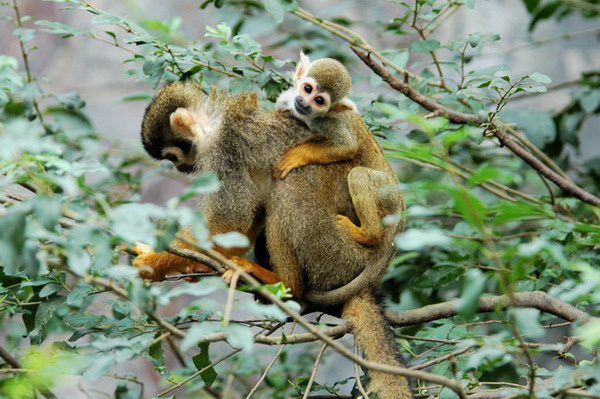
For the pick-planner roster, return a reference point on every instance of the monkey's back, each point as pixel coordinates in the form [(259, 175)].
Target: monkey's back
[(303, 236)]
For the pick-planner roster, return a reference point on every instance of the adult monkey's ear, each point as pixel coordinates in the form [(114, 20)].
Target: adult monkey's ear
[(344, 104), (302, 66), (183, 123)]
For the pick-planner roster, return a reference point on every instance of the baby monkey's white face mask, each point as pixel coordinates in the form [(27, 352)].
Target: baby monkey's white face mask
[(306, 100)]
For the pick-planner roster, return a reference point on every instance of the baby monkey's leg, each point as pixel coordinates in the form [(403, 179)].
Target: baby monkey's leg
[(365, 185)]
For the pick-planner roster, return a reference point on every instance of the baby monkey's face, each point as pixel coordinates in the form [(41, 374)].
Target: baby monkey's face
[(310, 101)]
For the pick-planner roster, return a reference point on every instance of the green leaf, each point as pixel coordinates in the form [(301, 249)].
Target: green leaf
[(424, 46), (58, 28), (590, 335), (590, 100), (196, 333), (43, 315), (12, 237), (203, 184), (540, 78), (120, 308), (78, 260), (520, 210), (239, 336), (24, 34), (107, 19), (233, 239), (49, 289), (201, 361), (276, 8), (528, 322), (223, 31), (205, 287), (48, 211), (473, 286), (132, 222), (80, 168), (137, 97), (539, 126), (156, 352), (416, 239), (268, 311), (544, 13), (531, 4), (486, 173), (474, 39), (78, 294), (471, 207), (453, 137)]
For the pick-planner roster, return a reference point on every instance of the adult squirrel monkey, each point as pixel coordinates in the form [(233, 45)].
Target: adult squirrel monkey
[(319, 98), (309, 251)]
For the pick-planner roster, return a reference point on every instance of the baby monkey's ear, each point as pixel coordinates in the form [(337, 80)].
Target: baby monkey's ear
[(302, 66), (344, 104), (183, 123)]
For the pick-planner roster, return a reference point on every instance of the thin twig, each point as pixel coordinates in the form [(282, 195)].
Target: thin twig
[(314, 371), (440, 359), (25, 56), (584, 5), (230, 296), (359, 384), (197, 373), (176, 351), (268, 368), (355, 40), (7, 357), (423, 37)]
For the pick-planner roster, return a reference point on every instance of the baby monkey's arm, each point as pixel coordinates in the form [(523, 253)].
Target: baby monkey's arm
[(340, 145)]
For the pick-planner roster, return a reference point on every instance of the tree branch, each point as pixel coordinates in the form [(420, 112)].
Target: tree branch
[(464, 118)]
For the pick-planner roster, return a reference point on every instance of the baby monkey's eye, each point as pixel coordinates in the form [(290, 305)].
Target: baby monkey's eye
[(308, 88), (320, 100)]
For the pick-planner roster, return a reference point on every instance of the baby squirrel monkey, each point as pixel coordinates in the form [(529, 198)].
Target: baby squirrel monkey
[(319, 98)]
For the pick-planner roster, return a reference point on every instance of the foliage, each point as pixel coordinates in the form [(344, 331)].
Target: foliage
[(480, 221)]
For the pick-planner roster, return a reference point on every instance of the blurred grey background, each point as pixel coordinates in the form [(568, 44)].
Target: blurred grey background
[(96, 71)]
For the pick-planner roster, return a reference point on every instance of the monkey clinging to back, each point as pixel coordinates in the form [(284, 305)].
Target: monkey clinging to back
[(319, 98)]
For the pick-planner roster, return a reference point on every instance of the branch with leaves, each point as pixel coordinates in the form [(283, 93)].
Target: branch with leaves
[(478, 231), (460, 117)]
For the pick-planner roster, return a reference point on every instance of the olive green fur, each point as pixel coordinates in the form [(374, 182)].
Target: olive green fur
[(331, 76)]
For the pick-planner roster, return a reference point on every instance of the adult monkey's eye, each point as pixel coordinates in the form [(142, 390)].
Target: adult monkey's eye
[(172, 157), (308, 88), (320, 100)]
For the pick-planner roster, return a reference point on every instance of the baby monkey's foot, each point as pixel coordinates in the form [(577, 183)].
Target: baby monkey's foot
[(356, 233)]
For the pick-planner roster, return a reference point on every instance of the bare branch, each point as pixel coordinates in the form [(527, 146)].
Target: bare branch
[(314, 371)]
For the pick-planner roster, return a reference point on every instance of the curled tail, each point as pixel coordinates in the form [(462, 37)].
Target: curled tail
[(372, 334)]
